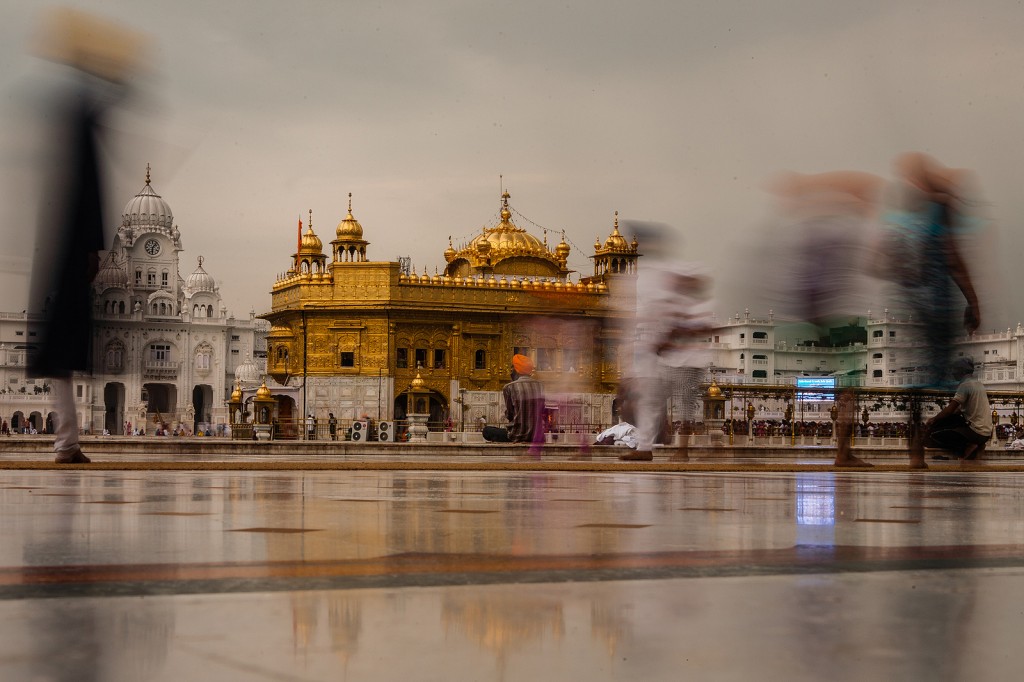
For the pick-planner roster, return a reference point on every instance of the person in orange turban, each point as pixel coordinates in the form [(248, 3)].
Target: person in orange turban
[(522, 365), (524, 407)]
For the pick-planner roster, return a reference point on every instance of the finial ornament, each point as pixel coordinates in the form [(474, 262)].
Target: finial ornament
[(147, 174), (350, 203), (311, 219), (200, 259), (616, 220)]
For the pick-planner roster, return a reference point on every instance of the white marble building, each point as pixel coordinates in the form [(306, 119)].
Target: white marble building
[(165, 348), (751, 350)]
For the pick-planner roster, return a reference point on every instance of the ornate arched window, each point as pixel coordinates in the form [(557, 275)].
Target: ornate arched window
[(114, 359), (203, 357)]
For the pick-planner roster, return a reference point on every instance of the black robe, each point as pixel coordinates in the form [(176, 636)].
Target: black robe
[(72, 226)]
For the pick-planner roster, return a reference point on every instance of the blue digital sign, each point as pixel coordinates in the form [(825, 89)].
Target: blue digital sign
[(815, 388)]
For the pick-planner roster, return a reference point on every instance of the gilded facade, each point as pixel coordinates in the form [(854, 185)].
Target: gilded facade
[(354, 333)]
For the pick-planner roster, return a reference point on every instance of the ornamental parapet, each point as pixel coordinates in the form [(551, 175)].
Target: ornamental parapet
[(514, 282), (293, 278)]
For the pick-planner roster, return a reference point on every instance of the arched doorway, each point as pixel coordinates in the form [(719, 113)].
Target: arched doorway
[(435, 404), (202, 403), (113, 407), (17, 422), (35, 420), (285, 419), (161, 399)]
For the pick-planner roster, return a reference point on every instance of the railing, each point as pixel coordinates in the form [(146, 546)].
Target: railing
[(33, 397), (161, 368)]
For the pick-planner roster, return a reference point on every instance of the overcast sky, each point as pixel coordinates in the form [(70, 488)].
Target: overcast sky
[(672, 111)]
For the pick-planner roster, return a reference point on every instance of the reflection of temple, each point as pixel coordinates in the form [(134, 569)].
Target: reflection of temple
[(361, 331), (503, 624)]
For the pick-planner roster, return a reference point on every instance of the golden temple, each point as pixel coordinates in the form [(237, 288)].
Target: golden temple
[(356, 333)]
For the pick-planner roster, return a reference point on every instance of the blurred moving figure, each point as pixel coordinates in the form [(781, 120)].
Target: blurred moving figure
[(823, 243), (673, 320), (828, 215), (920, 224), (920, 252), (100, 56)]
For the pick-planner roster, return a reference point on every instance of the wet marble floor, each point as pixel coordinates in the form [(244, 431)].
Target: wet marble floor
[(415, 575)]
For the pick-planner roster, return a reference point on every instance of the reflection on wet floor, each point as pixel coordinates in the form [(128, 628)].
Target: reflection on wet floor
[(509, 575)]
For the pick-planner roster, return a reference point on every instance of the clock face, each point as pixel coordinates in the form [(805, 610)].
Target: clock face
[(152, 247)]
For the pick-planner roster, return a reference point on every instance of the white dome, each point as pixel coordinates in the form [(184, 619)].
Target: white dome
[(111, 275), (200, 280), (247, 372), (147, 209)]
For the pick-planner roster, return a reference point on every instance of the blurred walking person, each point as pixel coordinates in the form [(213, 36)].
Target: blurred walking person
[(673, 320), (100, 56), (920, 252)]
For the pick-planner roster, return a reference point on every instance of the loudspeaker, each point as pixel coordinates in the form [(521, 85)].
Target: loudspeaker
[(359, 432), (386, 431)]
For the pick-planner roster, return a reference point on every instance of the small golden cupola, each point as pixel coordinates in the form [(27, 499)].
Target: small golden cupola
[(310, 258), (349, 245), (616, 255), (505, 249), (562, 251)]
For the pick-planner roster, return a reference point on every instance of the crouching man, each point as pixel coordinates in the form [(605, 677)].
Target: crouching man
[(964, 426)]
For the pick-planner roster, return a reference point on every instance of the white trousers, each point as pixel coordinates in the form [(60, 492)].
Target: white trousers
[(66, 439)]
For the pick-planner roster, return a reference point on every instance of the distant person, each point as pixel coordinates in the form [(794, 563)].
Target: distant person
[(524, 407), (332, 425), (846, 417), (964, 425), (101, 56)]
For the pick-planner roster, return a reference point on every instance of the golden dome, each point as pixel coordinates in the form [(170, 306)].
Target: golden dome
[(616, 241), (236, 395), (449, 253), (507, 242), (562, 250), (263, 393), (714, 391), (311, 244), (349, 228), (417, 383)]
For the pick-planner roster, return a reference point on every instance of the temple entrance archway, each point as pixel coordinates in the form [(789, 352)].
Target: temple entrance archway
[(113, 407), (202, 403), (162, 400), (287, 425)]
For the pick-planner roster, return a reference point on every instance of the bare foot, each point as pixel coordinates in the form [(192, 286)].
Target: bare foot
[(918, 462), (851, 461)]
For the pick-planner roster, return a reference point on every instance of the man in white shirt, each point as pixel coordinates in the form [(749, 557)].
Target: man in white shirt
[(964, 426)]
